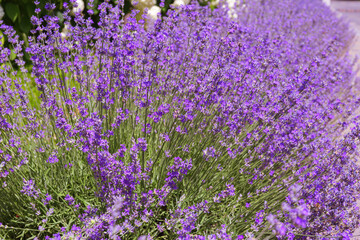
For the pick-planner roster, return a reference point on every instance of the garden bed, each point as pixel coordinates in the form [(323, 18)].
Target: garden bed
[(207, 123)]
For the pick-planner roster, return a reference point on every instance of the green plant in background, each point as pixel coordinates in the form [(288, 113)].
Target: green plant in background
[(17, 13), (196, 126)]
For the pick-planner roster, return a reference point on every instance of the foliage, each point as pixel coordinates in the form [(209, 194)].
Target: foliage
[(205, 124), (18, 14)]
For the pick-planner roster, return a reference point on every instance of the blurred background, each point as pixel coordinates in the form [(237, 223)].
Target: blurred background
[(17, 13)]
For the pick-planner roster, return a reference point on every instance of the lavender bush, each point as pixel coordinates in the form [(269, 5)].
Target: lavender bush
[(208, 123)]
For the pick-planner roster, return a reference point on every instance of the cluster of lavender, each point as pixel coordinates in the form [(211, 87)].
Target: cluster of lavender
[(203, 125)]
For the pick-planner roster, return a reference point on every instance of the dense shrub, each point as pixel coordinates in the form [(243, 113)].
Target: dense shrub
[(17, 13), (206, 124)]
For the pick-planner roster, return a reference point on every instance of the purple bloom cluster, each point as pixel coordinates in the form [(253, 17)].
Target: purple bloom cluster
[(30, 189), (204, 125)]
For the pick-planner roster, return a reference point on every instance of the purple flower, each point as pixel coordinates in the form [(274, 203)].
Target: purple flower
[(247, 96), (121, 151), (50, 212), (69, 199), (177, 171), (118, 204), (30, 189), (47, 199), (52, 159), (280, 229), (142, 144), (271, 218), (144, 237)]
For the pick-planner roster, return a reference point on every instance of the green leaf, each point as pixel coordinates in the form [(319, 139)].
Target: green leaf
[(12, 10), (2, 39), (25, 24), (30, 9), (12, 55), (60, 16)]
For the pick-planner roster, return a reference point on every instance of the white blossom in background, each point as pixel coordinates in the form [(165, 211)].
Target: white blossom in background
[(80, 6), (214, 3), (154, 12), (327, 2), (234, 6), (64, 31), (2, 13), (142, 4), (152, 15), (178, 3), (231, 5)]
